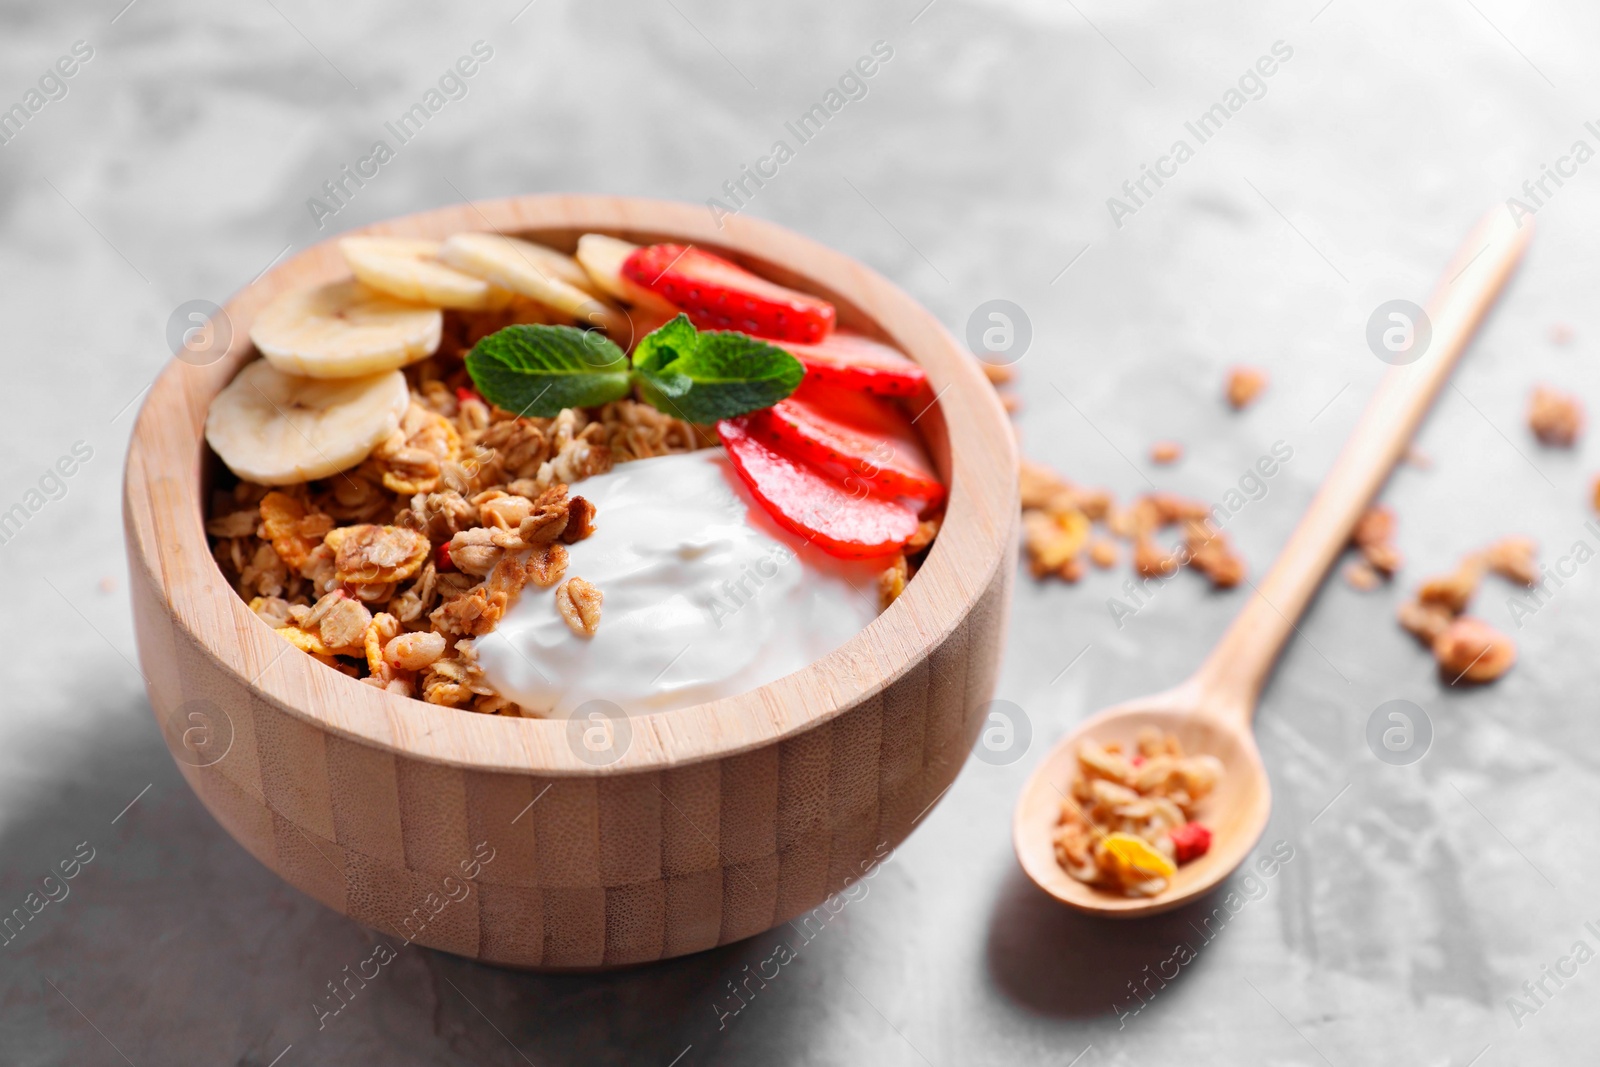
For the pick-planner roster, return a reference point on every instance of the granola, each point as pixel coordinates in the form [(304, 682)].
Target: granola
[(1373, 537), (1128, 822), (1555, 418), (1245, 384), (1466, 648), (892, 582), (390, 569), (1059, 519), (579, 603), (1163, 453)]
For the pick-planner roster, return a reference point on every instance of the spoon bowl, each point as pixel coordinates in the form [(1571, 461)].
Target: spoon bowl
[(1235, 811), (1211, 712)]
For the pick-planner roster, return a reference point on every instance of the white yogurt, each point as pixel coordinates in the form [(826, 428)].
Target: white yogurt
[(705, 597)]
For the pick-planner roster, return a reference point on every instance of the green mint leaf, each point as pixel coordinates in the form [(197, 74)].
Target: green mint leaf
[(539, 370), (729, 374), (664, 344), (668, 383)]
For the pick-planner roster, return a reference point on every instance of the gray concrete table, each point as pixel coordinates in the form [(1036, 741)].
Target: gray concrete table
[(186, 153)]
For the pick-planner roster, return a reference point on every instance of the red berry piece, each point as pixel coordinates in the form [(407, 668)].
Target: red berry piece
[(718, 295), (855, 437), (1190, 841), (808, 503), (858, 362)]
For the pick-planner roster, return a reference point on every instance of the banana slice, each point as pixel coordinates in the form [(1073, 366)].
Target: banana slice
[(409, 268), (602, 257), (278, 429), (344, 330), (543, 274)]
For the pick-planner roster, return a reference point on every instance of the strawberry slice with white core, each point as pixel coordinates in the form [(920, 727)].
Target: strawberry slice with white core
[(808, 503), (718, 295), (858, 362), (855, 437)]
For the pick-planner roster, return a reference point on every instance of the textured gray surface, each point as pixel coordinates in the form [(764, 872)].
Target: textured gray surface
[(977, 166)]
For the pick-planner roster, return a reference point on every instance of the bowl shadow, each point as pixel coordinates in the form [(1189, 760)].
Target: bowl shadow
[(182, 948)]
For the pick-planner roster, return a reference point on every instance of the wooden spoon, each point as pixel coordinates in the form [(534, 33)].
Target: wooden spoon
[(1211, 712)]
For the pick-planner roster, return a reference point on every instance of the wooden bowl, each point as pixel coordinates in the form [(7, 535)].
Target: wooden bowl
[(490, 837)]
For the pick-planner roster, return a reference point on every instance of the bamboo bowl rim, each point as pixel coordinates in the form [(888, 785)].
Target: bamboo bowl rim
[(164, 512)]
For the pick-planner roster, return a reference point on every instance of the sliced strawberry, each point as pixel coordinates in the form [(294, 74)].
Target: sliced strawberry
[(807, 502), (718, 295), (1190, 841), (858, 362), (853, 436)]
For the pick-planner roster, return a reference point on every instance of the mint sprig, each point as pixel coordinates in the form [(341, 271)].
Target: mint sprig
[(538, 370), (692, 375)]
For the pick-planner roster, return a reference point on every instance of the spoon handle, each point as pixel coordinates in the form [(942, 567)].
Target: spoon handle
[(1231, 678)]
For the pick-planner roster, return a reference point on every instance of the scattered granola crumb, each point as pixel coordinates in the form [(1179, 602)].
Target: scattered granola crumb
[(1515, 559), (1560, 334), (1245, 385), (1373, 536), (579, 604), (1555, 418), (1054, 538), (1153, 561), (1471, 650), (1165, 452), (1465, 647), (1453, 592), (1375, 526), (1011, 402), (1058, 519), (1360, 575), (1417, 458), (1103, 553), (1210, 554), (108, 584), (998, 373), (1425, 622)]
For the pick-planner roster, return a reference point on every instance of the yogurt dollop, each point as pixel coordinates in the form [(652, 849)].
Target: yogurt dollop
[(704, 597)]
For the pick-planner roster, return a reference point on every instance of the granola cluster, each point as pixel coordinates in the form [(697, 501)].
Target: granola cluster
[(1556, 418), (1128, 822), (1467, 648), (389, 571), (1058, 525), (892, 582), (1373, 539), (1245, 384)]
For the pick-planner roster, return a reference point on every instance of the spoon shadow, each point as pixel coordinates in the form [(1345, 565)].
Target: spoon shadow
[(1064, 963)]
